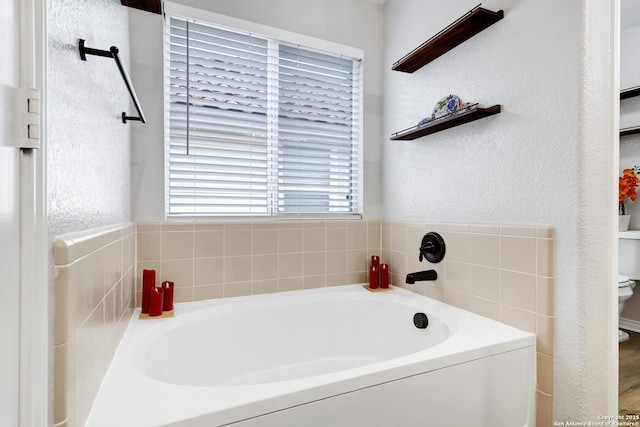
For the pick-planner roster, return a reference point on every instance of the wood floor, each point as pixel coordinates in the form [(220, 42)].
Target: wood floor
[(629, 377)]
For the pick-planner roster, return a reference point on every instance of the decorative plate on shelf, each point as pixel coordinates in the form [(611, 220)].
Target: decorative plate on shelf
[(447, 105)]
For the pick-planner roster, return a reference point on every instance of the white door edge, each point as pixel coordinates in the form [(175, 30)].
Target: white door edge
[(35, 324)]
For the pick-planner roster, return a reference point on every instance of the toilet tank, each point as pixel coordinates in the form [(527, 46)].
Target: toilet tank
[(629, 254)]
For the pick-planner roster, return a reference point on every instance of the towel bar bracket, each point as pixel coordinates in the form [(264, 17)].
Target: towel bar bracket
[(84, 51), (125, 118)]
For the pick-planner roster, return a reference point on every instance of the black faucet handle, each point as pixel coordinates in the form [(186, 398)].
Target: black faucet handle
[(426, 248), (432, 247)]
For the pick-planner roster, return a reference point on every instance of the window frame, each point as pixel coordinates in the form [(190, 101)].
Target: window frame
[(287, 37)]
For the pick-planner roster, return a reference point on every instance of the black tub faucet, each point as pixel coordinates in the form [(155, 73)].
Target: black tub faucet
[(420, 276)]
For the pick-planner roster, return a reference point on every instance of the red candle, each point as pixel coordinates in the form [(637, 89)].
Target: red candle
[(167, 300), (384, 276), (373, 277), (375, 260), (148, 282), (155, 301)]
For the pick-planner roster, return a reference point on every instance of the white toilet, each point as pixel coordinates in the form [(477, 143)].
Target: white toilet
[(628, 269), (625, 290)]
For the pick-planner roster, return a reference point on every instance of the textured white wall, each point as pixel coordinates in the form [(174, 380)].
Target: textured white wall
[(546, 159), (88, 153), (356, 23), (502, 168)]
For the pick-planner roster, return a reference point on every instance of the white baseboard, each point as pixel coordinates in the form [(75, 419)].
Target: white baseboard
[(630, 325)]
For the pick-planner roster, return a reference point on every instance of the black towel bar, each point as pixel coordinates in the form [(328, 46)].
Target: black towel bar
[(113, 53)]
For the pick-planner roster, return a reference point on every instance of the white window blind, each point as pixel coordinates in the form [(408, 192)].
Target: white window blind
[(256, 126)]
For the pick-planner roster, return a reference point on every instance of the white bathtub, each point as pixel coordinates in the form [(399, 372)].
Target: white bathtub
[(330, 357)]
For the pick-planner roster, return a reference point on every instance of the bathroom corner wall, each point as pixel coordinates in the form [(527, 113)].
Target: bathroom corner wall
[(88, 194), (217, 259), (547, 158), (504, 272), (93, 304), (88, 150)]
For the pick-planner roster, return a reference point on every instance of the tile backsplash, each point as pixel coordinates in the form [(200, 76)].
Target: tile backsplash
[(504, 272), (93, 304), (216, 260)]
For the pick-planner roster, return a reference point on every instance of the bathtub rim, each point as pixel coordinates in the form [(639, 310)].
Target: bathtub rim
[(247, 401)]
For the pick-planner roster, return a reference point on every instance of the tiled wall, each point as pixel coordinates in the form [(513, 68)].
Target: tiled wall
[(93, 303), (504, 272), (215, 260)]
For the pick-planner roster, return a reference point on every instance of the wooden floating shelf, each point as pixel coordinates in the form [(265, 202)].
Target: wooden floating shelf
[(152, 6), (447, 122), (630, 131), (463, 29), (630, 92)]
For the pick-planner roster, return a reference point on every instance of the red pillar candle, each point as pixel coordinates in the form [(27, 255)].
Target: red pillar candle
[(375, 260), (373, 277), (155, 301), (167, 299), (148, 282), (384, 276)]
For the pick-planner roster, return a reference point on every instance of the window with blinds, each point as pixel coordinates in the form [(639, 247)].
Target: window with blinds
[(256, 126)]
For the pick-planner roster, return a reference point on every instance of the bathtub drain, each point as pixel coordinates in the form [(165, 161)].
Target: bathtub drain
[(420, 320)]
